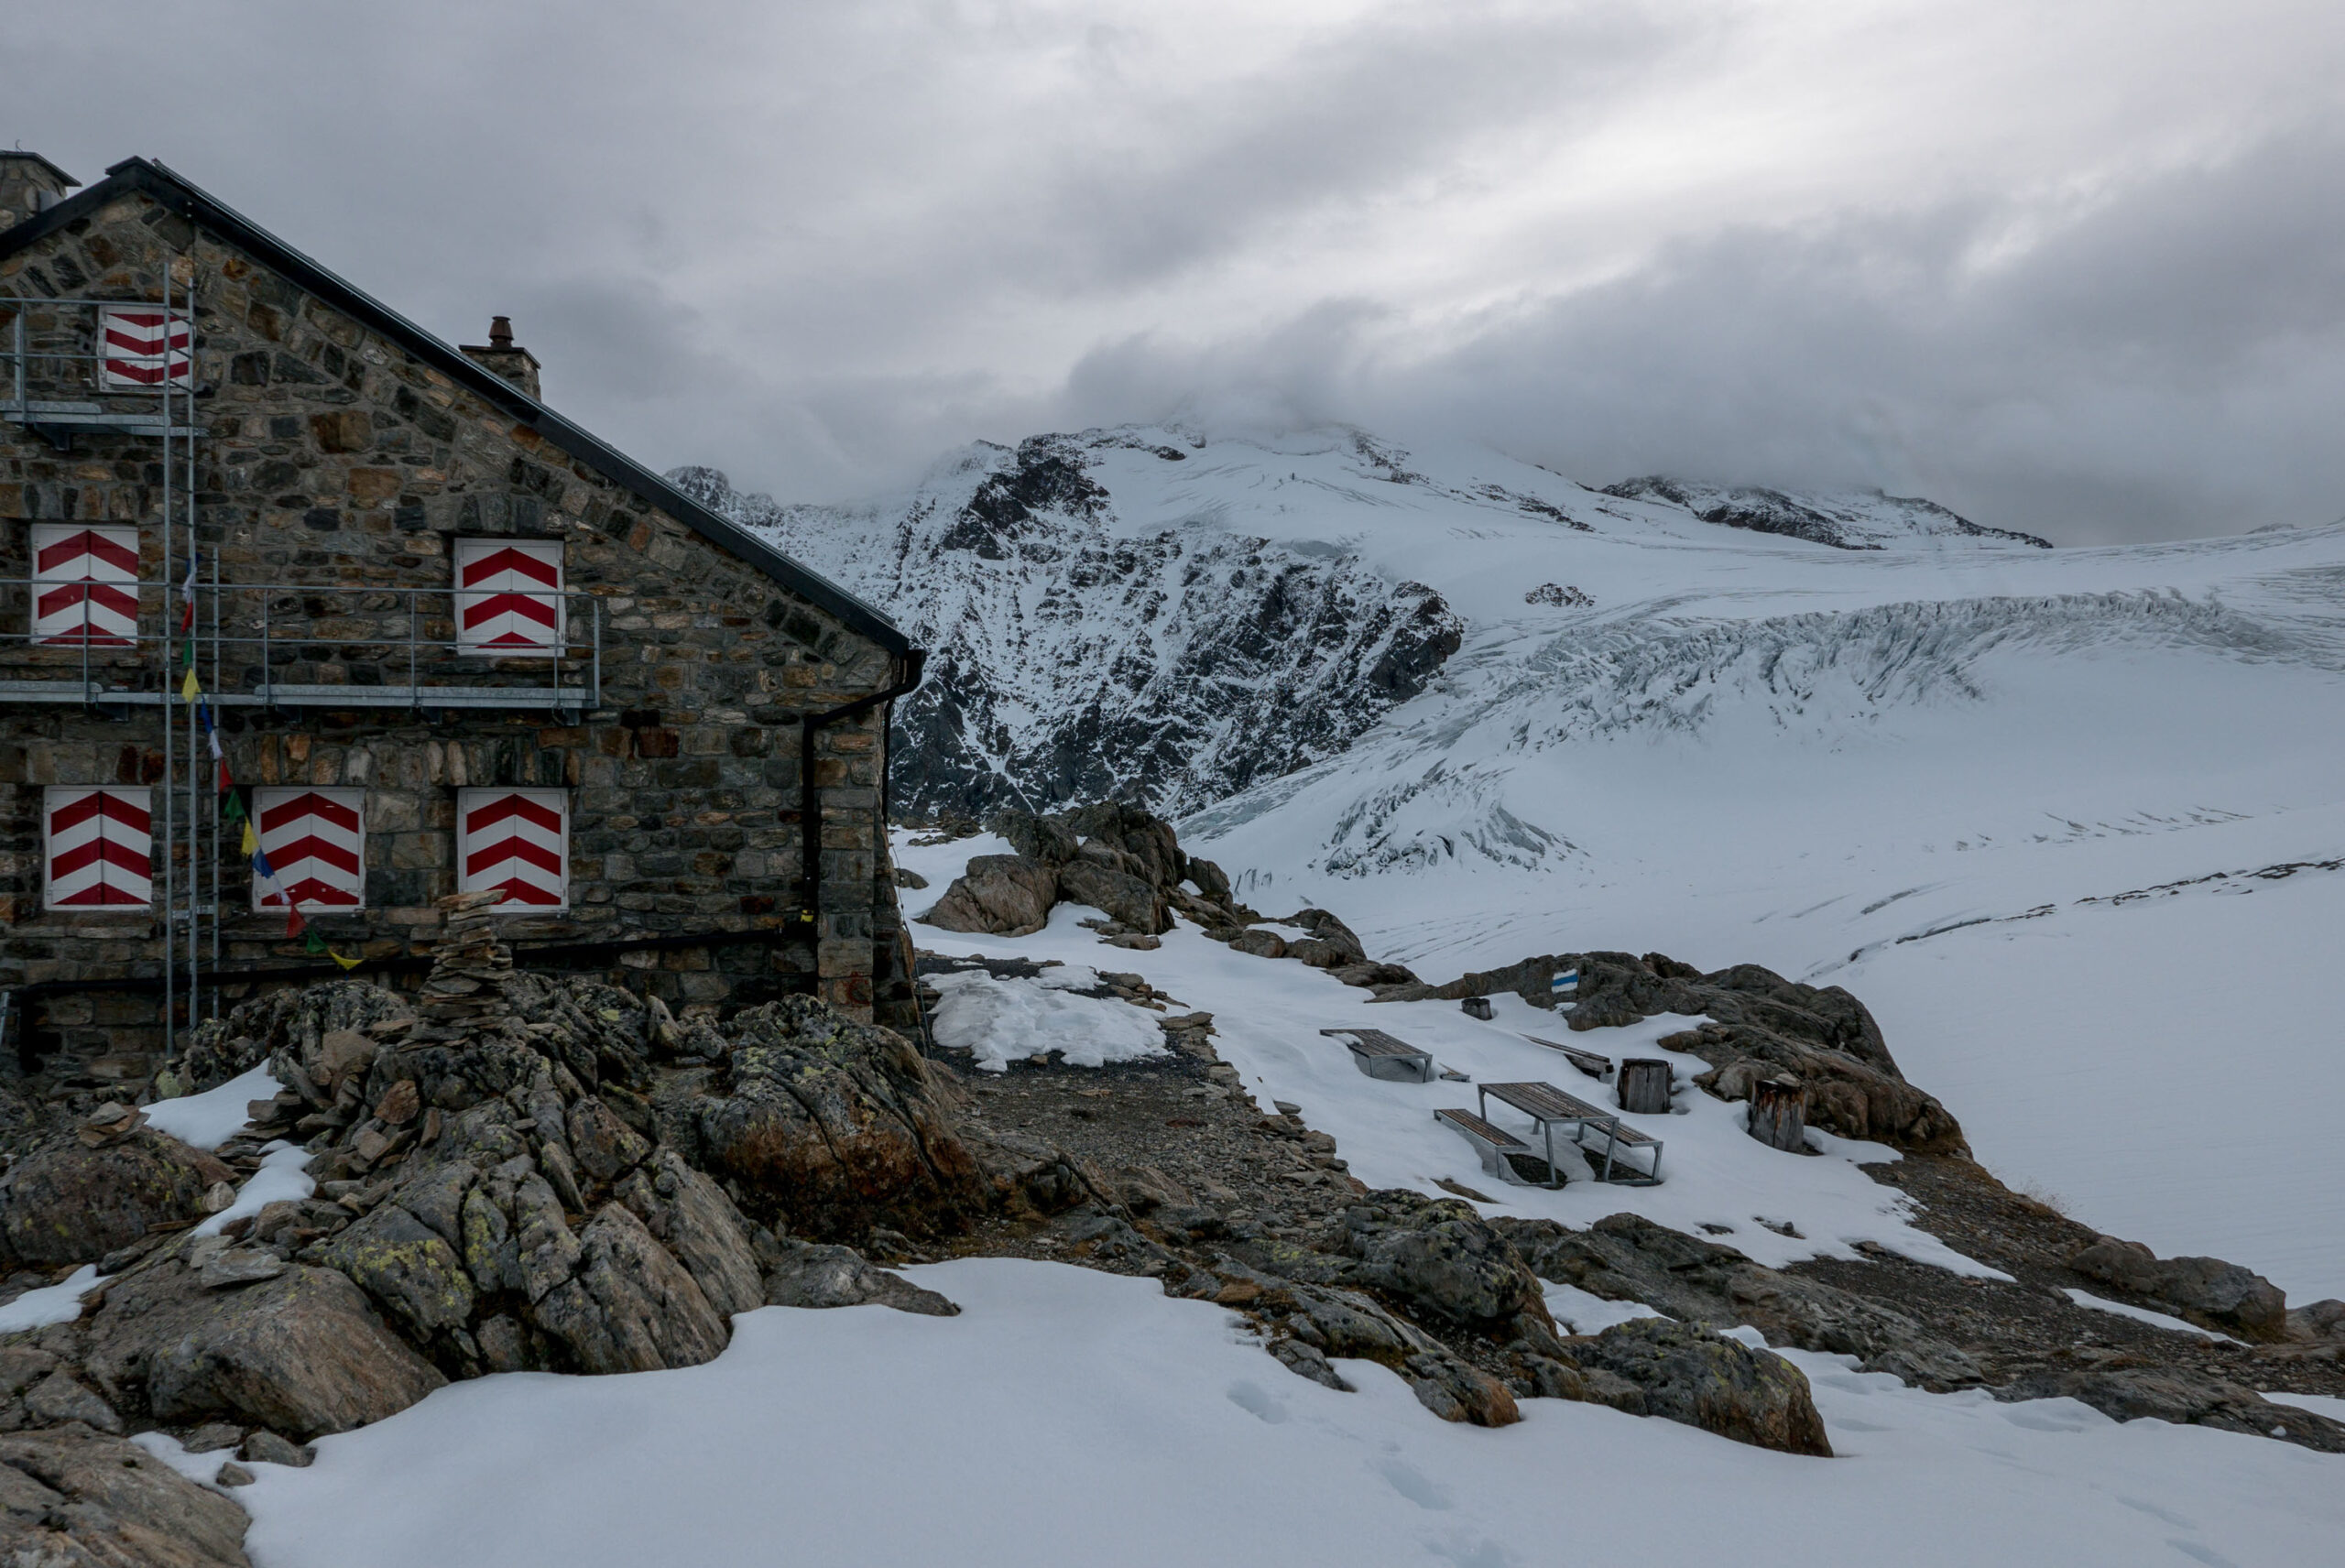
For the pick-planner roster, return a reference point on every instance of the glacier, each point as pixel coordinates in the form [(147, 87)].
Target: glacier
[(1932, 761)]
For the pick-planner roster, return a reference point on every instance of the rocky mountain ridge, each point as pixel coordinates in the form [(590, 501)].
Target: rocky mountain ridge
[(1154, 614), (1861, 519), (1069, 662)]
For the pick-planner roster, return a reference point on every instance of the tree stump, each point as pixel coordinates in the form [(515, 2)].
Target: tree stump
[(1643, 1086), (1779, 1114)]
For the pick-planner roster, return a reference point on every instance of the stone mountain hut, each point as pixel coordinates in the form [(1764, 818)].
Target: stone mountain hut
[(445, 639)]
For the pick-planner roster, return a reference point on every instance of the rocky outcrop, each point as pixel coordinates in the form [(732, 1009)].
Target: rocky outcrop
[(517, 1173), (1686, 1373), (2134, 1392), (1627, 1257), (1127, 863), (294, 1349), (1006, 895), (2206, 1291), (1756, 1025), (1072, 658), (68, 1201), (76, 1498), (802, 1275), (1440, 1257), (825, 1127), (291, 1020)]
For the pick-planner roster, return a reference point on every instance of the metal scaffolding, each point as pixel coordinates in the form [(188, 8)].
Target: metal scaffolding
[(58, 380)]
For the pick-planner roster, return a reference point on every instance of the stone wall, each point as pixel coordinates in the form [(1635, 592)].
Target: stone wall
[(333, 457)]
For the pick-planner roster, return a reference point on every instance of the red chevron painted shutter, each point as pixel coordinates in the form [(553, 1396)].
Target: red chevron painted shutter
[(139, 345), (517, 840), (85, 585), (316, 843), (508, 596), (100, 844)]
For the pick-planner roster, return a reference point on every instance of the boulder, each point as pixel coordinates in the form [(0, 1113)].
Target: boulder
[(302, 1353), (1123, 897), (1147, 839), (1312, 1323), (825, 1128), (75, 1499), (1212, 881), (628, 1306), (1440, 1259), (2206, 1290), (1261, 943), (805, 1275), (2315, 1321), (66, 1202), (1689, 1374), (1048, 840), (1330, 943), (1006, 895), (61, 1398)]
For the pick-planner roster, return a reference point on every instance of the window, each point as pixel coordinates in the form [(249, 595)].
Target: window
[(85, 585), (99, 848), (315, 840), (517, 840), (508, 596)]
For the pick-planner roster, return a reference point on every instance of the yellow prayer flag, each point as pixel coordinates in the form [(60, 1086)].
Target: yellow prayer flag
[(252, 840), (189, 690), (345, 963)]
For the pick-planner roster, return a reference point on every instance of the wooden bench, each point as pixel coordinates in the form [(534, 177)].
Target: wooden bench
[(1380, 1055), (1597, 1067), (1549, 1108), (1503, 1155)]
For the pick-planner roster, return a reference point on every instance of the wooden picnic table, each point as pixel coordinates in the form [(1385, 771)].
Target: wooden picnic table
[(1549, 1108)]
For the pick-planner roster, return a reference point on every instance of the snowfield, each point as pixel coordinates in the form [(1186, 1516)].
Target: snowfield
[(1068, 1419)]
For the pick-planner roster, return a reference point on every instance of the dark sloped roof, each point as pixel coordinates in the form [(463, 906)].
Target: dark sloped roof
[(178, 196)]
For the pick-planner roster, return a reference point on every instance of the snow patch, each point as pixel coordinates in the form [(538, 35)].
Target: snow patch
[(1001, 1022), (212, 1118)]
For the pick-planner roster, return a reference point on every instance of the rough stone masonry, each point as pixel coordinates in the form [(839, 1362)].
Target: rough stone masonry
[(343, 449)]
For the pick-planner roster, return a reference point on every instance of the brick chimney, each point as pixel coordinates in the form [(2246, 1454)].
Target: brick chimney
[(30, 184), (502, 355)]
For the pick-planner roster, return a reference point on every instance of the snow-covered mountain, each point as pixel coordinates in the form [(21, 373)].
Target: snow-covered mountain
[(1152, 613), (1859, 520), (2046, 809), (1082, 646)]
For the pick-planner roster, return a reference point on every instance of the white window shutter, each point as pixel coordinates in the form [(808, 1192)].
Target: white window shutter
[(99, 848), (517, 840), (315, 840), (508, 596), (85, 585), (142, 346)]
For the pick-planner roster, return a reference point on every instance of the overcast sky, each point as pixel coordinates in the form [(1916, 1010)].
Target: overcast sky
[(2078, 268)]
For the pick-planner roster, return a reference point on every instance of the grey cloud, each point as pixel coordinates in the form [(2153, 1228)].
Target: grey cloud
[(815, 245), (2167, 364)]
